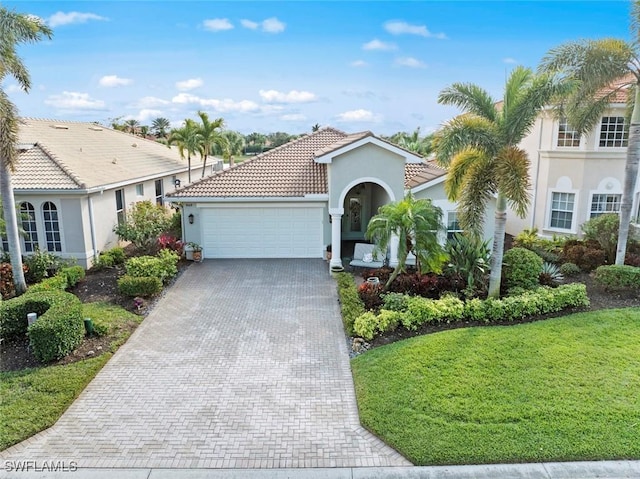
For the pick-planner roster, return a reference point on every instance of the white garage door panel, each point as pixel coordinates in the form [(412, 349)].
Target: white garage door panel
[(270, 232)]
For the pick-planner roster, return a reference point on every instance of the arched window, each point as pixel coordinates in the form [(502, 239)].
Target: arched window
[(51, 226), (28, 214)]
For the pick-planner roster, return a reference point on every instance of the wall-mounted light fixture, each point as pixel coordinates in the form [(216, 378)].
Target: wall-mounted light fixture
[(190, 218), (176, 182)]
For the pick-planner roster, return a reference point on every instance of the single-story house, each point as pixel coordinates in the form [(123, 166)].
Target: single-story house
[(74, 182), (295, 200)]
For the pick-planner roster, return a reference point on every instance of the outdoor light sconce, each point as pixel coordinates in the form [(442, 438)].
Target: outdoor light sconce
[(176, 182), (190, 219)]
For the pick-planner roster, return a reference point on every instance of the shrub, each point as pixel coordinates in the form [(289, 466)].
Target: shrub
[(617, 277), (521, 268), (59, 330), (588, 256), (144, 222), (369, 324), (469, 259), (56, 283), (139, 285), (110, 258), (350, 303), (550, 275), (395, 302), (73, 275), (569, 269), (164, 266), (39, 265), (604, 230), (547, 249), (632, 259), (7, 288), (167, 241), (370, 295), (422, 310)]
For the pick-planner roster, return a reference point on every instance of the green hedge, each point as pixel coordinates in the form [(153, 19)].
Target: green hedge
[(418, 310), (139, 286), (618, 276), (164, 266), (73, 275), (350, 303), (13, 312)]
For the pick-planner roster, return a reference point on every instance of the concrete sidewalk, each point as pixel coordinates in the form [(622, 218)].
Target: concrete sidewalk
[(553, 470)]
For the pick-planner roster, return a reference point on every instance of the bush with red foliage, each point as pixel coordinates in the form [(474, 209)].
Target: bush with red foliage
[(167, 241), (586, 254), (7, 288), (370, 295), (632, 259)]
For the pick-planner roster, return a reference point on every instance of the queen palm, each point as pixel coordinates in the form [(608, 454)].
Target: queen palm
[(15, 29), (593, 66), (233, 146), (188, 140), (210, 136), (480, 149), (416, 223)]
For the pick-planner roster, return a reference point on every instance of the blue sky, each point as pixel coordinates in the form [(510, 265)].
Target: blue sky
[(284, 66)]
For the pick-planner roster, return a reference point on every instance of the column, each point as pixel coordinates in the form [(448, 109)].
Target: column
[(336, 241), (393, 251)]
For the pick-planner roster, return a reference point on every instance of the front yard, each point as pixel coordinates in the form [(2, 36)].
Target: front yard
[(563, 389)]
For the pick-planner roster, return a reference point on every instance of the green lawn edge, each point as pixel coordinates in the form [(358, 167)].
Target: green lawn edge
[(563, 389)]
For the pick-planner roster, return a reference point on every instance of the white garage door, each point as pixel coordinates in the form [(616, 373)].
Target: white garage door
[(262, 232)]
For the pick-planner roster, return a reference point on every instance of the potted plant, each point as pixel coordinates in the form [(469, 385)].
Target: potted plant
[(328, 253), (196, 251)]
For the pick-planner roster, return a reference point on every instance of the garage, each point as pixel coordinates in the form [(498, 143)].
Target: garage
[(269, 231)]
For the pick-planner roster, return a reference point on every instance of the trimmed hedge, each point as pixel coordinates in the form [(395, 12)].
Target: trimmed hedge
[(418, 311), (521, 268), (350, 303), (164, 266), (55, 283), (618, 277), (73, 275), (139, 286)]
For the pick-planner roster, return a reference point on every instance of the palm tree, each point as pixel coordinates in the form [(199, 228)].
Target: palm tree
[(255, 141), (132, 126), (480, 149), (160, 126), (233, 146), (144, 131), (189, 141), (593, 66), (413, 141), (15, 29), (416, 223), (209, 136), (315, 127)]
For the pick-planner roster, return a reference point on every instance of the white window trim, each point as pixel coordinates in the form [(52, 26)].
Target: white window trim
[(41, 230), (60, 228), (457, 219), (556, 135), (574, 217), (597, 192), (141, 186), (609, 148)]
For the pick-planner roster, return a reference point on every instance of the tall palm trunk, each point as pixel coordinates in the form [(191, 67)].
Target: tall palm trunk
[(189, 167), (495, 277), (204, 165), (630, 178), (11, 220)]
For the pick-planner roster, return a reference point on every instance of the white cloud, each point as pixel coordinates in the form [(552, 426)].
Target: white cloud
[(223, 106), (359, 64), (270, 25), (410, 62), (189, 84), (376, 44), (294, 96), (399, 28), (273, 25), (150, 102), (110, 81), (12, 88), (357, 115), (217, 24), (71, 100), (293, 117), (147, 114), (62, 18), (249, 24), (509, 60)]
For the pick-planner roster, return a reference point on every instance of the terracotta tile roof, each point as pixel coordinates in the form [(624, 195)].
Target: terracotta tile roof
[(92, 155), (416, 174), (36, 169), (620, 88), (289, 171)]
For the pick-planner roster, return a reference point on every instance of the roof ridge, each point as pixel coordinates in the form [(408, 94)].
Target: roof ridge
[(61, 165)]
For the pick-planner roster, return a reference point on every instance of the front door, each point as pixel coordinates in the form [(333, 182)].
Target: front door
[(355, 218)]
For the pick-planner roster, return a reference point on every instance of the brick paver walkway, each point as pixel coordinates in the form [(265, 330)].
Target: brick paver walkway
[(243, 364)]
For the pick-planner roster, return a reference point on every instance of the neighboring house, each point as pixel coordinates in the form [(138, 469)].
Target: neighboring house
[(318, 190), (575, 178), (74, 182)]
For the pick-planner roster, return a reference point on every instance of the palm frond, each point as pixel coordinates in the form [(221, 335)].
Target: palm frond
[(470, 98), (462, 132), (512, 173), (8, 131), (459, 168), (518, 81), (476, 192)]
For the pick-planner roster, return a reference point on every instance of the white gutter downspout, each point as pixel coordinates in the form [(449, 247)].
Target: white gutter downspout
[(92, 228), (535, 189)]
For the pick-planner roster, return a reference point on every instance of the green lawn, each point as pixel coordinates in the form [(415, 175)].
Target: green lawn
[(32, 400), (556, 390)]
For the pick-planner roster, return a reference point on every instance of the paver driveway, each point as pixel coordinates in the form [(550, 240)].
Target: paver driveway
[(242, 364)]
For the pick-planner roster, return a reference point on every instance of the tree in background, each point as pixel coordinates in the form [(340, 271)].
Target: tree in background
[(160, 127), (189, 141), (254, 143), (132, 126), (210, 136), (233, 146), (480, 150), (315, 127), (15, 29), (592, 66), (413, 142)]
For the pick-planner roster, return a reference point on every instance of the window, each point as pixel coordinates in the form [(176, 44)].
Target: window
[(28, 214), (120, 206), (453, 225), (140, 190), (562, 210), (159, 192), (51, 226), (605, 203), (567, 136), (613, 132)]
